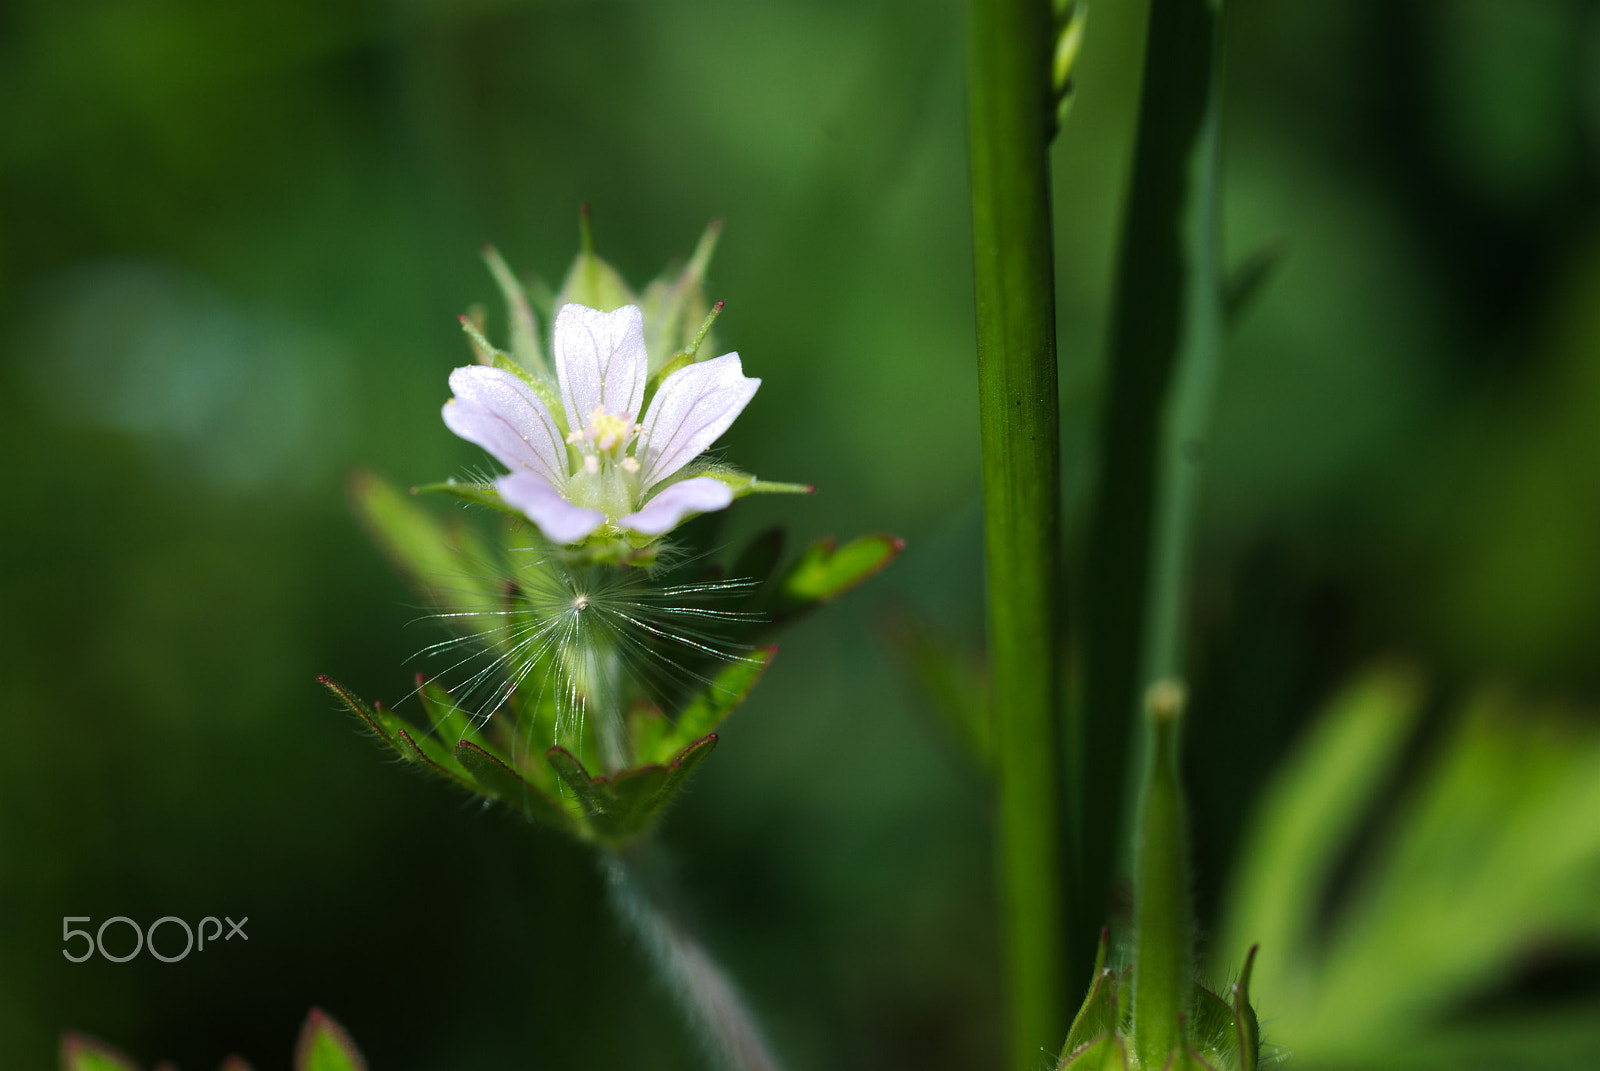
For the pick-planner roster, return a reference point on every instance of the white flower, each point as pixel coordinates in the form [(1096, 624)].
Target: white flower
[(610, 468)]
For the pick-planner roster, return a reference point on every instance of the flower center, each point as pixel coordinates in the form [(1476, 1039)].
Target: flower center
[(606, 438), (607, 478)]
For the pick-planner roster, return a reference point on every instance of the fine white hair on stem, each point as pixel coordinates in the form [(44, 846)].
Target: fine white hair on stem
[(722, 1022)]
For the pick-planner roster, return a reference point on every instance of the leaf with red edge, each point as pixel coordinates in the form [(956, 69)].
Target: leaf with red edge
[(80, 1053), (497, 779), (324, 1046), (826, 571)]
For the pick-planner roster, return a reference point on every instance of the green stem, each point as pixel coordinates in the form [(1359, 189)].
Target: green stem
[(1010, 118), (721, 1021), (1162, 970), (1165, 338)]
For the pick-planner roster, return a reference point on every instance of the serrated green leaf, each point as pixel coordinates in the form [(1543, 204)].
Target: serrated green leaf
[(592, 795), (712, 706), (427, 752), (624, 805), (824, 572), (364, 712), (451, 724), (505, 784), (647, 730), (324, 1046), (634, 796), (79, 1053), (681, 766)]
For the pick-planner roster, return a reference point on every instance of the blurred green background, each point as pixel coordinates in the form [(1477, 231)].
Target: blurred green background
[(236, 237)]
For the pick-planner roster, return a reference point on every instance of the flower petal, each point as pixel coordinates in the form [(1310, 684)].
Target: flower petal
[(691, 410), (702, 494), (558, 519), (600, 361), (496, 410)]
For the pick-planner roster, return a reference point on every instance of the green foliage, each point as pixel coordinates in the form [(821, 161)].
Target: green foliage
[(1217, 1034), (531, 625), (826, 571), (79, 1053), (1492, 853), (323, 1045)]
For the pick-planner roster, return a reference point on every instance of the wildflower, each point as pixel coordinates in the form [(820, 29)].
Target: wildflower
[(596, 463)]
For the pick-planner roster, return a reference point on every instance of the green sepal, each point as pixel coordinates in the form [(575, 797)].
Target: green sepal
[(619, 807), (743, 483), (826, 571), (588, 791), (501, 782), (1099, 1015), (1184, 1058), (673, 306), (708, 710), (79, 1053), (1104, 1053), (679, 360), (482, 494), (1210, 1027), (444, 564), (525, 348), (539, 384), (424, 749), (324, 1046), (1246, 1027), (450, 723), (591, 281)]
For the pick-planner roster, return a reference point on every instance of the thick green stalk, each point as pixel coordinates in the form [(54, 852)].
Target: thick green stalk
[(1165, 332), (1010, 119), (1163, 976)]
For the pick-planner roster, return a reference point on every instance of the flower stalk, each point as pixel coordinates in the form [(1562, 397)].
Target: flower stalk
[(1162, 968), (1166, 329), (716, 1012), (1011, 115)]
